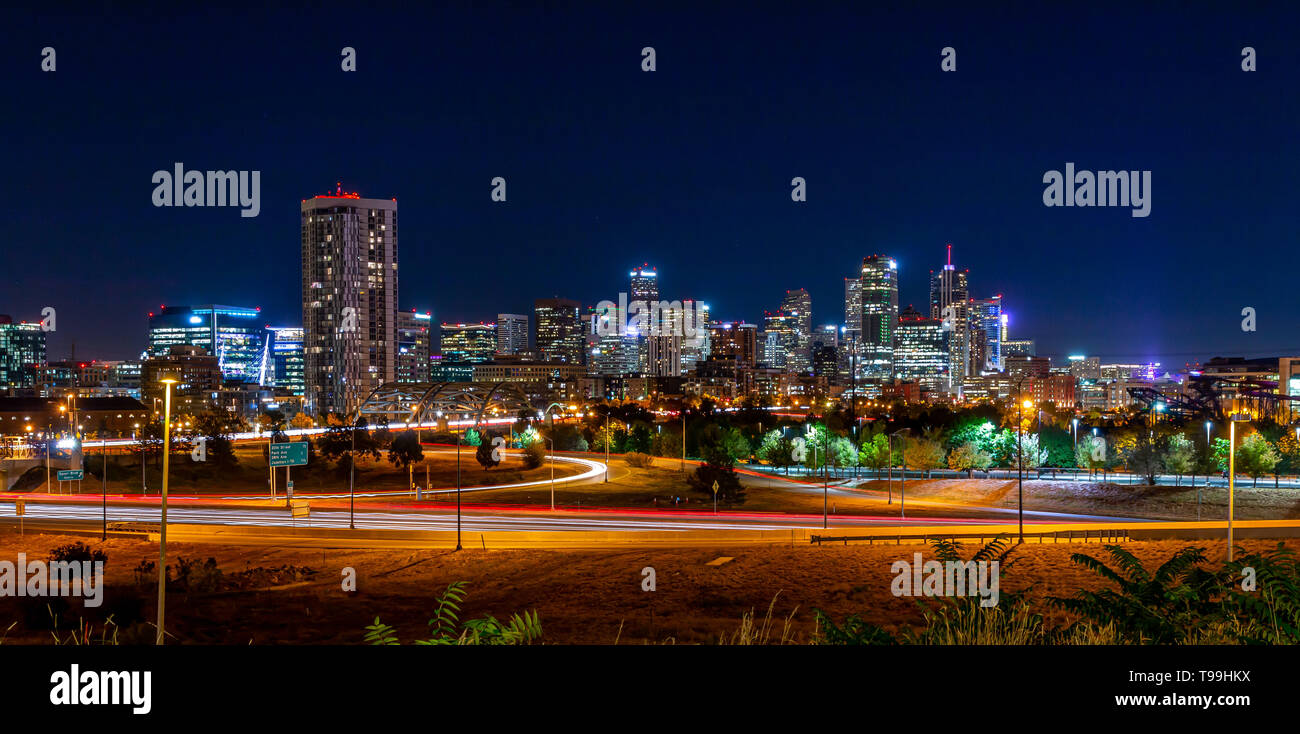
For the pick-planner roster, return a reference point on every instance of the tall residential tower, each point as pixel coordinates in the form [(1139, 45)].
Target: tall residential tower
[(349, 298)]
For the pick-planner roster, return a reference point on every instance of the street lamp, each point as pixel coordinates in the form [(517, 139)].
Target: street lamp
[(458, 437), (902, 473), (552, 449), (1232, 470), (352, 473), (168, 381), (1020, 461)]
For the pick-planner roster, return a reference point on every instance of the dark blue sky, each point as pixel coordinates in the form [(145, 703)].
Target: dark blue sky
[(687, 167)]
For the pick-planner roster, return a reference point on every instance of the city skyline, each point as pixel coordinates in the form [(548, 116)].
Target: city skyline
[(936, 166)]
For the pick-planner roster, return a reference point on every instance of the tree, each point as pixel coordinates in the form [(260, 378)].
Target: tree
[(1146, 457), (1288, 449), (667, 443), (216, 429), (735, 445), (337, 442), (1058, 445), (639, 439), (1027, 446), (718, 468), (486, 453), (1090, 453), (534, 454), (611, 436), (874, 452), (1256, 456), (472, 437), (1180, 456), (843, 453), (968, 457), (405, 449), (924, 453), (301, 421)]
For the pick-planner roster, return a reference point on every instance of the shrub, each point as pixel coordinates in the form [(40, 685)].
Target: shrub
[(77, 552), (639, 460), (534, 454)]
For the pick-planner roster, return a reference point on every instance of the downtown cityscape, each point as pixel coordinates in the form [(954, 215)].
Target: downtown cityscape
[(930, 331)]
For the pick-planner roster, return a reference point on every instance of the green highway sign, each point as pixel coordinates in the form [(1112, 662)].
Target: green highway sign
[(69, 474), (289, 454)]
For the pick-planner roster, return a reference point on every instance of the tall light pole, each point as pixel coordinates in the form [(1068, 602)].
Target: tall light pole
[(136, 430), (458, 491), (683, 460), (1020, 461), (352, 472), (168, 381), (551, 442), (103, 446), (902, 491), (1232, 471), (552, 445), (607, 437)]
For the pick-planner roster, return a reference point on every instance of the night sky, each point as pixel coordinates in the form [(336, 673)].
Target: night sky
[(687, 168)]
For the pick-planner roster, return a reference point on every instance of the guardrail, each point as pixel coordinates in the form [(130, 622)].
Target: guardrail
[(1101, 535)]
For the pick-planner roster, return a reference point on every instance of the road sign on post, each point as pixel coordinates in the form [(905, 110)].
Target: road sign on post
[(71, 474), (20, 507), (289, 454), (715, 496)]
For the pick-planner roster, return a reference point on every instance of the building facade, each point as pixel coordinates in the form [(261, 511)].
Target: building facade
[(349, 299)]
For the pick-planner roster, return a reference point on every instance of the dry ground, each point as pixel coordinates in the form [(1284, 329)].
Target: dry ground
[(583, 597)]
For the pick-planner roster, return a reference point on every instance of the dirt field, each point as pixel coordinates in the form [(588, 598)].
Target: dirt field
[(1160, 502), (583, 597)]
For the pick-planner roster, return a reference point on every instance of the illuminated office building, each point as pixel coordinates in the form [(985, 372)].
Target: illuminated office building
[(235, 336)]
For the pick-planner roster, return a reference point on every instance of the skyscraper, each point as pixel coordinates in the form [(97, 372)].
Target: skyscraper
[(234, 335), (737, 341), (798, 304), (349, 298), (949, 297), (879, 294), (645, 284), (560, 334), (413, 340), (287, 359), (22, 353), (921, 354), (853, 306), (986, 317), (512, 333), (471, 343)]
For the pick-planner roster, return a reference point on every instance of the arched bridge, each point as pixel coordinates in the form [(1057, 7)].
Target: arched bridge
[(427, 402)]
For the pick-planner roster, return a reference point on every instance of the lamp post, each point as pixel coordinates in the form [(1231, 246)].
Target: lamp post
[(103, 485), (607, 437), (1232, 471), (902, 473), (552, 449), (1020, 459), (352, 473), (683, 460), (135, 430), (168, 381), (458, 436)]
